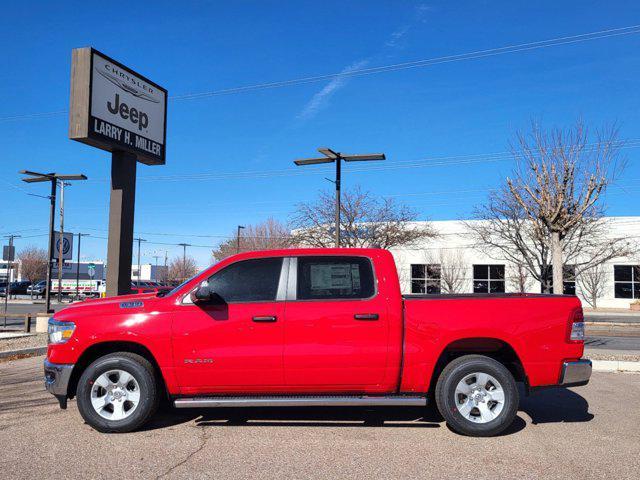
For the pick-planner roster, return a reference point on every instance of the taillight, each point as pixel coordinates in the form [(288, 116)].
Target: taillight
[(576, 327)]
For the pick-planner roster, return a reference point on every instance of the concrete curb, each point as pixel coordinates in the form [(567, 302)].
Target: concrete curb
[(590, 323), (25, 352), (615, 366)]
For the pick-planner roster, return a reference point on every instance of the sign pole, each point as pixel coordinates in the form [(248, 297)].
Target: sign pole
[(121, 215)]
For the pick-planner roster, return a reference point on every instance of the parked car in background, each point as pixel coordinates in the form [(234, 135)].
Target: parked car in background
[(312, 327), (17, 288), (147, 286), (38, 288)]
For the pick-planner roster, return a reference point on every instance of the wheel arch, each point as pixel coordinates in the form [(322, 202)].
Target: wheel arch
[(492, 347), (101, 349)]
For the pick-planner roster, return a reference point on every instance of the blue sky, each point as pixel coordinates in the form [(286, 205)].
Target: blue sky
[(229, 157)]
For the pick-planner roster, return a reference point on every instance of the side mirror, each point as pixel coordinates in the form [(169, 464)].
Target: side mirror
[(204, 294)]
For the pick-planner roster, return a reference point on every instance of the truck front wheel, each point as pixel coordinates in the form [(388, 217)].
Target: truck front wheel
[(477, 396), (117, 392)]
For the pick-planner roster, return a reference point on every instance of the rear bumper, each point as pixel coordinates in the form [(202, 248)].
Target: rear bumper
[(56, 378), (575, 373)]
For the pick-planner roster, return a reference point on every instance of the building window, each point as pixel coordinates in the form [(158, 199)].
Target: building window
[(488, 279), (425, 279), (626, 280), (568, 279)]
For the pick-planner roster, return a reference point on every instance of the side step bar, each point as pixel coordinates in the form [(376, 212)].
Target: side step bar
[(301, 401)]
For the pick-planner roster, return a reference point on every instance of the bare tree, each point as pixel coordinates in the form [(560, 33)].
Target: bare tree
[(33, 262), (366, 221), (592, 284), (452, 269), (268, 235), (559, 178), (520, 281), (182, 268), (553, 200)]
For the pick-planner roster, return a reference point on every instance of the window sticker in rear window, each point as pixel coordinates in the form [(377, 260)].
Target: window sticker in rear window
[(330, 276)]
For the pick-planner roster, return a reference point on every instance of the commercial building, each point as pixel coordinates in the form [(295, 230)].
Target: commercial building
[(451, 262), (89, 270), (149, 272), (5, 271)]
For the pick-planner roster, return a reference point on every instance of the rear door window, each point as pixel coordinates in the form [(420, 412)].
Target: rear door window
[(334, 278)]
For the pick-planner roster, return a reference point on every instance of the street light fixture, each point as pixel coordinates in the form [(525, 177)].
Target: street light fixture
[(331, 156), (53, 178)]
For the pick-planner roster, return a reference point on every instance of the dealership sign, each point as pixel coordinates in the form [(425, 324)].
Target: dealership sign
[(116, 109), (66, 247)]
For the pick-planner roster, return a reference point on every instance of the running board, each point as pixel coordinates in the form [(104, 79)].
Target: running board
[(301, 401)]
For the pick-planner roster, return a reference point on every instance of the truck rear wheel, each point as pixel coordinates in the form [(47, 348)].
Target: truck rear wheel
[(477, 396), (117, 392)]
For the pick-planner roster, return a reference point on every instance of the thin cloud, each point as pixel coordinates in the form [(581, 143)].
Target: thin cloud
[(320, 99), (395, 37)]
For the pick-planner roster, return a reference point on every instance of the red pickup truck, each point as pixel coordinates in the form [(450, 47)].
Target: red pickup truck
[(311, 327)]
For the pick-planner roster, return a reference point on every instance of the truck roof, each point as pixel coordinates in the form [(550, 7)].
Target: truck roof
[(309, 251)]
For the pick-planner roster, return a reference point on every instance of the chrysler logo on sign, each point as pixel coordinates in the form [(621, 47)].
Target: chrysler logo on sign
[(127, 83)]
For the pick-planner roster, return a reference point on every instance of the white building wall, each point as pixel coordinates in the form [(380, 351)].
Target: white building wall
[(455, 240), (148, 272)]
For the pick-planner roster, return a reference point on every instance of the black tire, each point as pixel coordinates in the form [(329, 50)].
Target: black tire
[(141, 369), (445, 395)]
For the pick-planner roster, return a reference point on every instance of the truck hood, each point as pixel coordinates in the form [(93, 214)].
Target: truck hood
[(138, 303)]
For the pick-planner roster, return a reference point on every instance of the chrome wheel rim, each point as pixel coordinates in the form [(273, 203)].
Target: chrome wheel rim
[(479, 397), (115, 395)]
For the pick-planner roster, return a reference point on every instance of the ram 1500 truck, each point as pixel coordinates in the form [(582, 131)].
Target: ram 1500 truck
[(312, 327)]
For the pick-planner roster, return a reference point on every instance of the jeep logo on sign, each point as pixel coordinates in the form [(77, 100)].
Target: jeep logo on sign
[(136, 117)]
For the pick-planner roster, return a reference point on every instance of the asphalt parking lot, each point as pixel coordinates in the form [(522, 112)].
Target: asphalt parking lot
[(588, 432)]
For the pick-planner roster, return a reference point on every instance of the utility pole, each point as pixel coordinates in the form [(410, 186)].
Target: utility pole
[(78, 266), (240, 227), (139, 240), (330, 157), (184, 259), (62, 184), (35, 177), (10, 259)]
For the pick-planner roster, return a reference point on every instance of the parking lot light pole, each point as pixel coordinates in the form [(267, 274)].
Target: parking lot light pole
[(331, 156), (139, 240), (10, 260), (35, 177), (240, 227), (184, 259)]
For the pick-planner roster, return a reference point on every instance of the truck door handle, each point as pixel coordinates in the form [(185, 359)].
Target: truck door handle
[(366, 316), (265, 319)]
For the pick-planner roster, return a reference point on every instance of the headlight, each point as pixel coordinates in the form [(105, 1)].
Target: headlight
[(59, 332)]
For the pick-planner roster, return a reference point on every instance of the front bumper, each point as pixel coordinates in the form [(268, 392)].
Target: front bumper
[(575, 373), (56, 378)]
